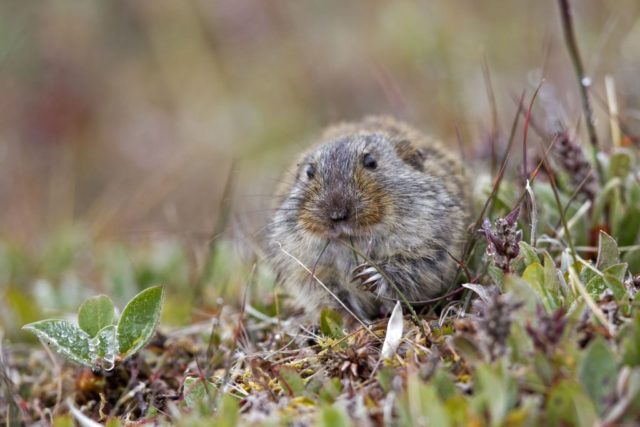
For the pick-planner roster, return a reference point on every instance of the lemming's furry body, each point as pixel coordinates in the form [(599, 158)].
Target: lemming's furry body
[(396, 195)]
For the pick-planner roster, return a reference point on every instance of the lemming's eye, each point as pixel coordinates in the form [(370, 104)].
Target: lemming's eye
[(310, 171), (369, 162)]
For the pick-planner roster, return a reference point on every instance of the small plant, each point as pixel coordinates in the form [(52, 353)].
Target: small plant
[(97, 342)]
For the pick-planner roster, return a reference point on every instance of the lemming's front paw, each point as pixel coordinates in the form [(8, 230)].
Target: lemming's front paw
[(368, 278)]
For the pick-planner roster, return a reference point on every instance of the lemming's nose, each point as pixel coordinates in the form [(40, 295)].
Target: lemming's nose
[(339, 214)]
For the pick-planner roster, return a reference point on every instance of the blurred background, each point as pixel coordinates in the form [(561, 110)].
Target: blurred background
[(141, 140)]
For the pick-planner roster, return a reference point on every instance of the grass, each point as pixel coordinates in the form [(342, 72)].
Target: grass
[(544, 328)]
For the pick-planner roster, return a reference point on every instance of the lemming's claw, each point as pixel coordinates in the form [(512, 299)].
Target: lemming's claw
[(372, 279), (368, 277), (359, 268), (364, 274)]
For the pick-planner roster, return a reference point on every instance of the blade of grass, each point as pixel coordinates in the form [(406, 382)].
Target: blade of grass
[(527, 120), (612, 103), (556, 195), (494, 111)]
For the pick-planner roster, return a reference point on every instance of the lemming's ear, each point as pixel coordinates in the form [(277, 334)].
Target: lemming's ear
[(412, 155)]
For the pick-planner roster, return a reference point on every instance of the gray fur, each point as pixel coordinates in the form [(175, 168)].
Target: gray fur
[(425, 214)]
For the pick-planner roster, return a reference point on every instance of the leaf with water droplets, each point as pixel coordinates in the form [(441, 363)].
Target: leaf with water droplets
[(104, 347), (139, 320), (64, 337), (95, 314)]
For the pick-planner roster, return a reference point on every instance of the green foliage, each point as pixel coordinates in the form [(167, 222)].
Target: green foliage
[(331, 323), (65, 338), (631, 343), (422, 406), (291, 381), (198, 393), (95, 313), (568, 405), (332, 416), (597, 372), (98, 342), (608, 254), (139, 320), (552, 337)]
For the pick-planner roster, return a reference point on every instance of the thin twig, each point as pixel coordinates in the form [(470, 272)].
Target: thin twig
[(574, 53)]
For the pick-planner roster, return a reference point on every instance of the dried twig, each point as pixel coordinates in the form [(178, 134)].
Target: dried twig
[(583, 80)]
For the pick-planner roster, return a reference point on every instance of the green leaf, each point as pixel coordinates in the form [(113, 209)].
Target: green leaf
[(497, 275), (608, 254), (291, 381), (333, 416), (523, 291), (332, 388), (632, 195), (196, 392), (496, 391), (586, 273), (596, 286), (95, 313), (567, 405), (551, 281), (331, 323), (621, 162), (602, 199), (228, 412), (65, 338), (628, 227), (534, 274), (443, 384), (139, 320), (631, 343), (543, 368), (632, 258), (598, 372), (616, 271), (529, 253), (468, 349), (612, 278), (422, 406)]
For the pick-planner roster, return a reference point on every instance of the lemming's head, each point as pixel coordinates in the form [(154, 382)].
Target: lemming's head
[(346, 186)]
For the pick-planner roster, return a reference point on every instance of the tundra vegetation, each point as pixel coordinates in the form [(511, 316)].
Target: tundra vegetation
[(542, 326)]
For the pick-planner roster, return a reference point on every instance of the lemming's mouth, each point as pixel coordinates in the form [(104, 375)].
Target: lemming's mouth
[(341, 231)]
